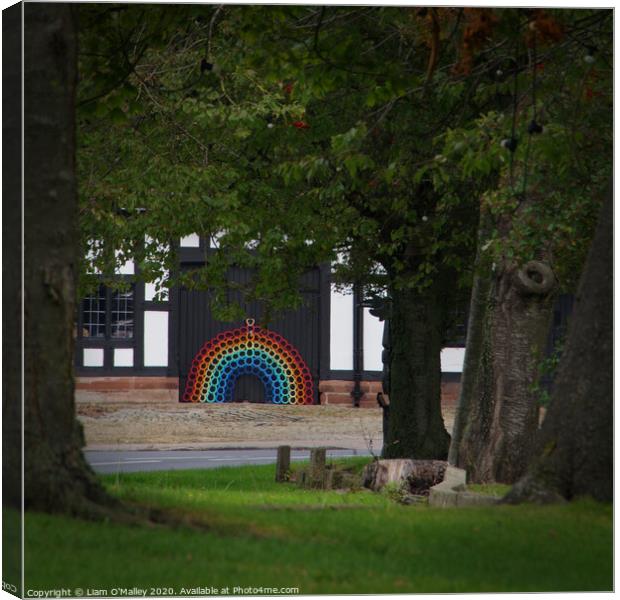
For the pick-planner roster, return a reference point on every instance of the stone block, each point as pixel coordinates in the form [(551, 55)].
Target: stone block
[(369, 400), (336, 398), (371, 387), (452, 491), (336, 386)]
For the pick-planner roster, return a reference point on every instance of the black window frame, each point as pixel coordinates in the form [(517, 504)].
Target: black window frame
[(109, 343), (109, 297)]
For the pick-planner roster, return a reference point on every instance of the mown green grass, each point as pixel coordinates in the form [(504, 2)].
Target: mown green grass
[(260, 533)]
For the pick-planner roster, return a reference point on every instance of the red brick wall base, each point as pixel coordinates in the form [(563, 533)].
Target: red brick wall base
[(121, 384), (340, 392)]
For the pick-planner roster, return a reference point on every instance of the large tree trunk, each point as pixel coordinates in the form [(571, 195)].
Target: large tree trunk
[(11, 298), (574, 452), (56, 476), (416, 428), (473, 346), (498, 410)]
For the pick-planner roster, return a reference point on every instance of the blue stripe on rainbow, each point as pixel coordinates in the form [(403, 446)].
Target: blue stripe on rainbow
[(249, 351)]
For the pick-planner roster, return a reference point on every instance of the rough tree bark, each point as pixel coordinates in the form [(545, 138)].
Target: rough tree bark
[(57, 477), (474, 343), (415, 427), (497, 417), (11, 264), (574, 452), (11, 298)]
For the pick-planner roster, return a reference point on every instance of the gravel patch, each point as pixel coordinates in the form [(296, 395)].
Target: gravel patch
[(124, 421)]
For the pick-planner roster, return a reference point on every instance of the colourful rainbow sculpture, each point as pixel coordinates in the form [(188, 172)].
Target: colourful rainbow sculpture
[(252, 350)]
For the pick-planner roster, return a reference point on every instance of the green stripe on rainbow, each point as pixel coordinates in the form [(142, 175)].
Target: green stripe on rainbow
[(249, 351)]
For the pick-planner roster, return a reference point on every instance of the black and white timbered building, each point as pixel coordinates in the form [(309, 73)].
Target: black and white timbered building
[(135, 339)]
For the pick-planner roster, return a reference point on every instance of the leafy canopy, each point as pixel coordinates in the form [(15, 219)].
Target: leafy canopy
[(295, 135)]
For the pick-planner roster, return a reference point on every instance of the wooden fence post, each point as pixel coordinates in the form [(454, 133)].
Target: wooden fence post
[(283, 463), (317, 467)]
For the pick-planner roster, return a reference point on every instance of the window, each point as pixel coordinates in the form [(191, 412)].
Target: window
[(108, 314), (94, 314), (121, 322), (110, 333)]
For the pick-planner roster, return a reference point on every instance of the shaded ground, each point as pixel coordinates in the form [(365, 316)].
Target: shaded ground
[(156, 422)]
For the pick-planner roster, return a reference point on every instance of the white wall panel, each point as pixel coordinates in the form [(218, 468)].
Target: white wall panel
[(373, 334), (341, 331), (150, 291), (125, 269), (190, 241), (123, 357), (452, 360), (154, 248), (93, 357), (155, 338)]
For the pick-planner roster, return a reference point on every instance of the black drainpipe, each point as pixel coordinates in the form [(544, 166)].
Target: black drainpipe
[(358, 344)]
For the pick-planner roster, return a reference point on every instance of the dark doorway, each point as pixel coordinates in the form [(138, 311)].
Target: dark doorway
[(249, 388)]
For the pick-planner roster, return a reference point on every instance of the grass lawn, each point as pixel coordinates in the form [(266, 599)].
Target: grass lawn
[(262, 534)]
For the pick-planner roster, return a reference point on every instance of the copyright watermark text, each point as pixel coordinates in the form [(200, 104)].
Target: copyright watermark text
[(52, 593), (125, 592)]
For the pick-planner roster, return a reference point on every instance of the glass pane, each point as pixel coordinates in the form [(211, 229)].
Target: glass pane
[(121, 323), (93, 314)]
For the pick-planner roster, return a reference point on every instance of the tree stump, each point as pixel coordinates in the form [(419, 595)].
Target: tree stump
[(283, 463), (417, 476)]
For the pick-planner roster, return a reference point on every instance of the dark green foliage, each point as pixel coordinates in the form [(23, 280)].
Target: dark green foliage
[(316, 131), (293, 154)]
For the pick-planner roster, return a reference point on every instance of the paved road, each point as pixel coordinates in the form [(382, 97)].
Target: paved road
[(106, 461)]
